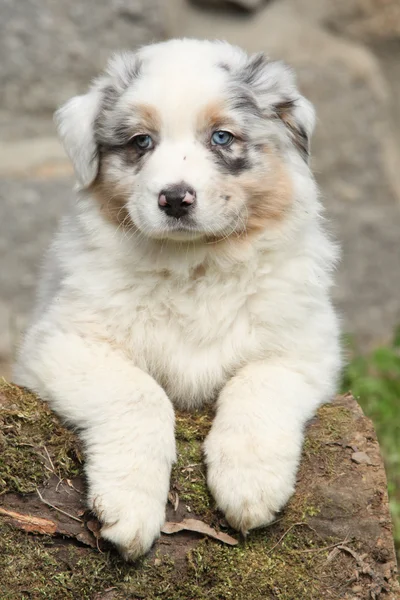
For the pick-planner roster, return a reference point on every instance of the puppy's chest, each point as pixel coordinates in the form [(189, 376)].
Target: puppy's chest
[(199, 312), (192, 335)]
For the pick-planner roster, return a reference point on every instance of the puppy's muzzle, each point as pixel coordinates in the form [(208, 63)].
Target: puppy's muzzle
[(177, 200)]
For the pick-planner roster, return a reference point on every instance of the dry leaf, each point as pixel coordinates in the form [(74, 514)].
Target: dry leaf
[(94, 526), (30, 523), (173, 499), (198, 527), (55, 510)]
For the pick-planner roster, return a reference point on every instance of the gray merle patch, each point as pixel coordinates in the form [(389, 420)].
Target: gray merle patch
[(229, 163)]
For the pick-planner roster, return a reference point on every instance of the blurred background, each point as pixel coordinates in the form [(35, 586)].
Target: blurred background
[(347, 56)]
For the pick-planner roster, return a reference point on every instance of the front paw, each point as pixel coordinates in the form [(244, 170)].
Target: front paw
[(249, 486), (131, 521)]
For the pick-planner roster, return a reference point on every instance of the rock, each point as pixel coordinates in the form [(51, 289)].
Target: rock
[(368, 20), (29, 212), (249, 5), (355, 154), (44, 158), (334, 534), (371, 21), (50, 50), (361, 458)]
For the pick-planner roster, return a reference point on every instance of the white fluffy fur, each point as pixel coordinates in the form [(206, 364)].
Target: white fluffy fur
[(124, 329)]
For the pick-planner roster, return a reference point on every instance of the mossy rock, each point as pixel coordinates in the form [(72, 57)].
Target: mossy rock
[(333, 540)]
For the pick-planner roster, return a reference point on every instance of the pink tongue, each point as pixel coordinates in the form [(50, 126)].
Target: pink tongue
[(162, 201)]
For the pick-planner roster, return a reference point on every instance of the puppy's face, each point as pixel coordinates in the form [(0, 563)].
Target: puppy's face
[(189, 140)]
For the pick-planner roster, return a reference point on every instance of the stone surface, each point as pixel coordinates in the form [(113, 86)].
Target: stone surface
[(244, 4), (42, 158), (29, 211), (50, 50), (366, 19), (332, 541)]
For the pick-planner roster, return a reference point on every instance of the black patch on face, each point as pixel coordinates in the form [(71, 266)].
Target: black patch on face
[(300, 139), (252, 71), (284, 111), (131, 153), (284, 107), (229, 163), (122, 144), (110, 97), (120, 136), (132, 158), (246, 103), (114, 136), (110, 94), (245, 100), (225, 67)]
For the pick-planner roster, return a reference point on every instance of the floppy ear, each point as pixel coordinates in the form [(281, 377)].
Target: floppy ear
[(274, 85), (75, 126), (299, 117)]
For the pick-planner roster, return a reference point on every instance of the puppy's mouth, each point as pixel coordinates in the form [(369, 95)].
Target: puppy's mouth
[(182, 229), (182, 224)]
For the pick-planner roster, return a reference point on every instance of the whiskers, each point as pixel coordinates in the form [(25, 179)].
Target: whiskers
[(161, 235), (237, 230)]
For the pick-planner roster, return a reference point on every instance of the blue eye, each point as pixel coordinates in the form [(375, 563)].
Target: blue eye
[(143, 141), (221, 138)]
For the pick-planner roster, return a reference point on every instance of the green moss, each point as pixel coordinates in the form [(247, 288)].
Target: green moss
[(255, 571), (39, 569), (29, 433), (333, 426), (334, 423), (189, 475), (266, 566)]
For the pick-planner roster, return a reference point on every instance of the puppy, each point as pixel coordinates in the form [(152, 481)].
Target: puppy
[(192, 267)]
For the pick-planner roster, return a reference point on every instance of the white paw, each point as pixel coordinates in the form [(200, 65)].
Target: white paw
[(131, 521), (249, 486)]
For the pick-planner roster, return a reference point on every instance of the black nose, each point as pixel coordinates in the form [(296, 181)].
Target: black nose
[(177, 200)]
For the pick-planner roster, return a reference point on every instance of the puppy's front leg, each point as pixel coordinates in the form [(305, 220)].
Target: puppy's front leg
[(128, 463), (126, 423), (254, 446)]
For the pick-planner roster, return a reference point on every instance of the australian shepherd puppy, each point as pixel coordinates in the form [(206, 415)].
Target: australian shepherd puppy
[(192, 267)]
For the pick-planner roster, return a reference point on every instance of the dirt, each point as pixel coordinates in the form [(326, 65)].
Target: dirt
[(333, 540)]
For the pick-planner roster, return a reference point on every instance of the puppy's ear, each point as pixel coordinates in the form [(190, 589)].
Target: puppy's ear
[(299, 117), (75, 126), (274, 84)]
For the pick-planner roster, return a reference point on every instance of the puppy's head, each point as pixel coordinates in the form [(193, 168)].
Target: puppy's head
[(190, 140)]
